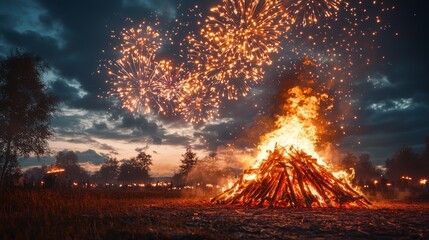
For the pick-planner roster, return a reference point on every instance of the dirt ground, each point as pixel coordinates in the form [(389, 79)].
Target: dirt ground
[(119, 215)]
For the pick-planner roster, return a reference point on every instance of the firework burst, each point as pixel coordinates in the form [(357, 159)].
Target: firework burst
[(308, 12), (140, 40), (197, 103), (236, 41), (141, 83)]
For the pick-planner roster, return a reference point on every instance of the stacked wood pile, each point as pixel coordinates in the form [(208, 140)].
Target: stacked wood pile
[(291, 178)]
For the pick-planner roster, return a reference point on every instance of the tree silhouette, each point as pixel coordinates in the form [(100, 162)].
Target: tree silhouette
[(349, 161), (136, 170), (212, 169), (365, 170), (425, 159), (66, 159), (189, 160), (25, 109), (70, 162), (404, 162), (109, 170)]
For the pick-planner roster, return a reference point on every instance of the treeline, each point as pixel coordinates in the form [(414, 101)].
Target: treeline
[(134, 171), (404, 165), (69, 172)]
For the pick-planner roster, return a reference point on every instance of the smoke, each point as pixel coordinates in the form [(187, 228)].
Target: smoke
[(217, 168)]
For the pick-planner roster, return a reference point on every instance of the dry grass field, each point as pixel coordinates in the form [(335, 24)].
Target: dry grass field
[(129, 214)]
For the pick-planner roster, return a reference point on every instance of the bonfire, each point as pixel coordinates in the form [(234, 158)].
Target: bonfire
[(288, 176), (291, 178)]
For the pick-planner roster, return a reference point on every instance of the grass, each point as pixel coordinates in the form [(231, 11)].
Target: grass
[(137, 214), (89, 214)]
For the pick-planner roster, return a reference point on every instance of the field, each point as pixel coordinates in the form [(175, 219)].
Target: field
[(136, 214)]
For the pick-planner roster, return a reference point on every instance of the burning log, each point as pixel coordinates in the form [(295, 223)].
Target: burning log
[(291, 178)]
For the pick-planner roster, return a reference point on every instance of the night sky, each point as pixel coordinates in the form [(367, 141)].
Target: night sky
[(390, 98)]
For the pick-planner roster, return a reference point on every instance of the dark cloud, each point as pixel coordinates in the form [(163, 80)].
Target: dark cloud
[(88, 156), (66, 93), (100, 126)]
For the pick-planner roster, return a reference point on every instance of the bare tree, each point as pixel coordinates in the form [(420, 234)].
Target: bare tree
[(25, 109)]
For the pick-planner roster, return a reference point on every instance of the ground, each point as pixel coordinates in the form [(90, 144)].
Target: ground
[(136, 214)]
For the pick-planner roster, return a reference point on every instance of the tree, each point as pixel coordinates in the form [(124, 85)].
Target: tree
[(70, 162), (365, 170), (66, 159), (212, 169), (25, 109), (136, 170), (189, 160), (109, 170), (349, 161), (425, 159), (405, 162)]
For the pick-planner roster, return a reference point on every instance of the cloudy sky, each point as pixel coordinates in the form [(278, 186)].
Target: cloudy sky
[(390, 99)]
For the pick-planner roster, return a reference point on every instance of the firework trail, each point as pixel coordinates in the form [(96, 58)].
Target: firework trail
[(236, 42)]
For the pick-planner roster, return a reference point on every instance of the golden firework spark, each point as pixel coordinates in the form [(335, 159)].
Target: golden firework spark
[(308, 12), (138, 80), (236, 42), (340, 46), (142, 39), (197, 103)]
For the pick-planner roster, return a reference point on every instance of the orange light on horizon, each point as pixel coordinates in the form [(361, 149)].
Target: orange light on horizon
[(406, 178), (55, 170)]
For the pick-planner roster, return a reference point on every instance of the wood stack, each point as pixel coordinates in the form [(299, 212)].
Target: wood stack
[(291, 178)]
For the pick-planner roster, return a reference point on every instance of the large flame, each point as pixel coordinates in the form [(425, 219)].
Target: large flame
[(289, 171), (297, 127)]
